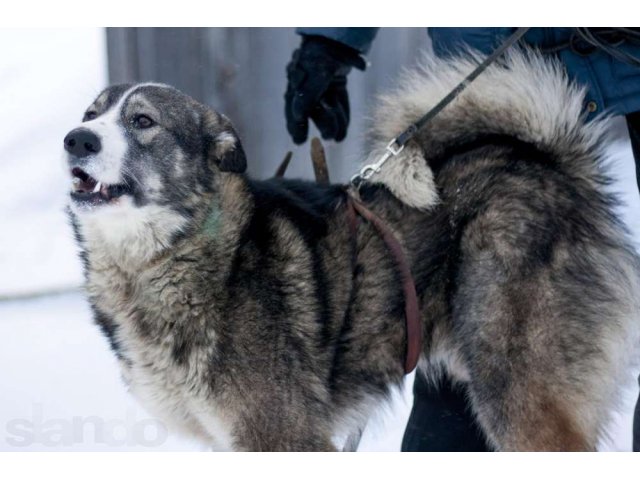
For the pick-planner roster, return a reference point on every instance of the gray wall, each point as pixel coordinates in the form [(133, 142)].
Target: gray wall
[(241, 72)]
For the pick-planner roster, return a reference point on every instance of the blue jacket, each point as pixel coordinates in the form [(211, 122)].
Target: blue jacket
[(612, 85)]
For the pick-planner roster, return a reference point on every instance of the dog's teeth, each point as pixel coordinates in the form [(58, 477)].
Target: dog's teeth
[(97, 187)]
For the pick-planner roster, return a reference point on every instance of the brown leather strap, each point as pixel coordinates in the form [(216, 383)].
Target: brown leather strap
[(411, 309)]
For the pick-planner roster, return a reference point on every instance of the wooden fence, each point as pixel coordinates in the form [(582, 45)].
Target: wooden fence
[(241, 72)]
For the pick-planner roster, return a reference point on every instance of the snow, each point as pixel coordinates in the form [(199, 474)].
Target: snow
[(60, 387), (47, 79)]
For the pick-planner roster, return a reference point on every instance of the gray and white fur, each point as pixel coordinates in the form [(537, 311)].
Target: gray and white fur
[(244, 313)]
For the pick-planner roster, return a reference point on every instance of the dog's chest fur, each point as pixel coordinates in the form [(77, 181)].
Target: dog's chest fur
[(266, 307), (153, 315)]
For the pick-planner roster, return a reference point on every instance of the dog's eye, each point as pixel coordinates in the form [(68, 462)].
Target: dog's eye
[(89, 116), (142, 121)]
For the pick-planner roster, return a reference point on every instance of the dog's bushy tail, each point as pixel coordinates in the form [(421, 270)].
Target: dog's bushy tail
[(523, 95)]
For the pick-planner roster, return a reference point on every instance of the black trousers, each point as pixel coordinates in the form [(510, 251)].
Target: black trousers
[(441, 420)]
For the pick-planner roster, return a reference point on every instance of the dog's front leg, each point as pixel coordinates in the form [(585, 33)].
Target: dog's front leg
[(287, 444), (272, 434)]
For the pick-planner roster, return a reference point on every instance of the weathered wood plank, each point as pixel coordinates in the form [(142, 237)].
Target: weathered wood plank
[(241, 72)]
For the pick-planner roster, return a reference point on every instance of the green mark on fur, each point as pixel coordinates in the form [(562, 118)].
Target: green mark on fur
[(212, 223)]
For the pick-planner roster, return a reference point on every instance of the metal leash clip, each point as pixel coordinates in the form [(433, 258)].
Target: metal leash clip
[(368, 170)]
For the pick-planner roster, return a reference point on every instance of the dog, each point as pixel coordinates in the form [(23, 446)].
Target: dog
[(249, 314)]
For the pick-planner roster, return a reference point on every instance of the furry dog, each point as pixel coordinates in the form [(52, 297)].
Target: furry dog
[(247, 313)]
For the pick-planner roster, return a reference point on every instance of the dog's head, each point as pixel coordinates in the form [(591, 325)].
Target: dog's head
[(144, 159)]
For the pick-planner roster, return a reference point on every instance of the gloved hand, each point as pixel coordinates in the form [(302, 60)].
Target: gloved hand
[(317, 88)]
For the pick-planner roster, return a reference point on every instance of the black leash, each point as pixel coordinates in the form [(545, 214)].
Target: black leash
[(396, 145)]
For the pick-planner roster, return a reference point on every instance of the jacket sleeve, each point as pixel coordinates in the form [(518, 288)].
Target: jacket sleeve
[(358, 38)]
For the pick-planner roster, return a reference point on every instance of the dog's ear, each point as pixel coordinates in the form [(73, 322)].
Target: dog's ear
[(223, 144)]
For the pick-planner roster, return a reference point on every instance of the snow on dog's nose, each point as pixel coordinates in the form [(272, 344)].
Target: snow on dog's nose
[(82, 142)]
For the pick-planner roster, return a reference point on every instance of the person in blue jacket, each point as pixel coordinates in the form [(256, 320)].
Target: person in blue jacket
[(605, 60)]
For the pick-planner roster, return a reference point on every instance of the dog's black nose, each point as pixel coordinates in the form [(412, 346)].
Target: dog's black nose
[(81, 142)]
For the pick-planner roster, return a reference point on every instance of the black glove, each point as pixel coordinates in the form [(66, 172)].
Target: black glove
[(317, 88)]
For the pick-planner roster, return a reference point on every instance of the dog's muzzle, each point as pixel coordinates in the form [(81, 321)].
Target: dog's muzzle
[(82, 144)]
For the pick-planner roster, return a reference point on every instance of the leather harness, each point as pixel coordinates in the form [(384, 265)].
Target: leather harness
[(413, 326), (393, 149)]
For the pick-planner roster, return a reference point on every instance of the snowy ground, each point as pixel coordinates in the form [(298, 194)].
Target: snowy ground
[(59, 384)]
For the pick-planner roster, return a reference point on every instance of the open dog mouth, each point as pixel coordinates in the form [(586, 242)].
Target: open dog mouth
[(87, 189)]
